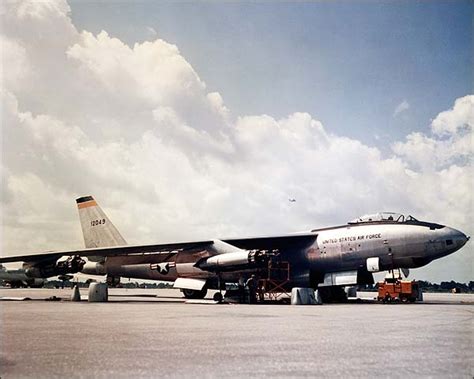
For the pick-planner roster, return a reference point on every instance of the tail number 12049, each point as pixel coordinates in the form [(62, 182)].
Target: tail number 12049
[(97, 222)]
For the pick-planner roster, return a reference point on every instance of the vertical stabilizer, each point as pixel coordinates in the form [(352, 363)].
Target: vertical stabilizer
[(97, 229)]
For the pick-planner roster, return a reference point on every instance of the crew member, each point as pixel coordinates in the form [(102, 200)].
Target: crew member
[(251, 284)]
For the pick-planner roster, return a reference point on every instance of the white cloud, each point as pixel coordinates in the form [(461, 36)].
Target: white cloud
[(450, 142), (460, 117), (137, 128), (402, 107)]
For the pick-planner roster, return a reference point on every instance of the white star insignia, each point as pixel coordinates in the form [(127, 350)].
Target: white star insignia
[(163, 268)]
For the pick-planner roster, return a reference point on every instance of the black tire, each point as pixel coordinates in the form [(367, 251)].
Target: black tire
[(193, 294), (332, 295), (218, 297)]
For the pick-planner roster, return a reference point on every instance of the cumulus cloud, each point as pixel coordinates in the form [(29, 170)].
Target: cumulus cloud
[(450, 141), (402, 107), (136, 127), (459, 118)]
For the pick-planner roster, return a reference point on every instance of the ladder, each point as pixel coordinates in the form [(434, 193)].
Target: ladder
[(274, 286)]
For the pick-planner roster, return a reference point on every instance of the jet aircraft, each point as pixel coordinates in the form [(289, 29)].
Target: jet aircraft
[(18, 278), (326, 258)]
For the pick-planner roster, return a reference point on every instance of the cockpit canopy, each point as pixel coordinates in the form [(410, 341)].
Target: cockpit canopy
[(384, 217)]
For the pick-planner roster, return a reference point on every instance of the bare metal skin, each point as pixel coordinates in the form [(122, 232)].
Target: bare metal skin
[(340, 255)]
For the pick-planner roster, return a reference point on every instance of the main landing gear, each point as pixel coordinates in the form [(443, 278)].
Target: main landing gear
[(333, 294), (194, 294)]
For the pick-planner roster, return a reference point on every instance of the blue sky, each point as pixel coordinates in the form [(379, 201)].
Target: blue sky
[(387, 87), (349, 64)]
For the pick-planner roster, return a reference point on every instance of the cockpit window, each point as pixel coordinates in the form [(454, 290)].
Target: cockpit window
[(384, 217)]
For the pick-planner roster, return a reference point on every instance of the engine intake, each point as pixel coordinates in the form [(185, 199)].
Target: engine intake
[(71, 265), (233, 261)]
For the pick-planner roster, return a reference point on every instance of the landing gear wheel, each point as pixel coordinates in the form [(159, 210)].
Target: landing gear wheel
[(333, 295), (387, 299), (218, 297), (194, 294)]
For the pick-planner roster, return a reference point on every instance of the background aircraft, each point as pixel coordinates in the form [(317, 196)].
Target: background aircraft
[(18, 278), (327, 258)]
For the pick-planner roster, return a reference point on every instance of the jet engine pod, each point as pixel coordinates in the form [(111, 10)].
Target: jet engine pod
[(62, 267), (232, 261), (94, 268), (373, 264)]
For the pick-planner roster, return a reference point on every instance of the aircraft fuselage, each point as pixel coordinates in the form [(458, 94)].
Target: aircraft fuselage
[(329, 250)]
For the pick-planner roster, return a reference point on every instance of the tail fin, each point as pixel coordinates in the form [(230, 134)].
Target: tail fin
[(97, 229)]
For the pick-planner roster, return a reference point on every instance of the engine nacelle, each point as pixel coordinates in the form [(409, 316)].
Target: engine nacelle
[(93, 268), (68, 266), (232, 261)]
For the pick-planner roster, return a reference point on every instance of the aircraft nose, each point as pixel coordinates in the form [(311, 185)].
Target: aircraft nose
[(458, 238)]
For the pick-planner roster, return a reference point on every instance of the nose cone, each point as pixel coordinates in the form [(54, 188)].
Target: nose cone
[(458, 238)]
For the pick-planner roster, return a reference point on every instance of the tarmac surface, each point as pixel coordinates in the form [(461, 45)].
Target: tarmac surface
[(139, 335)]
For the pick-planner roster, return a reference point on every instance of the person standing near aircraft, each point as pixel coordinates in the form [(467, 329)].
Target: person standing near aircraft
[(251, 284)]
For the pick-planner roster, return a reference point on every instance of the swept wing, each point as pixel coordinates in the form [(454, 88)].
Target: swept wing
[(262, 243)]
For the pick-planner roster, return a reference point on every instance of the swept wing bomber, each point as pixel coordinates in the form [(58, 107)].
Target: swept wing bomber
[(325, 258)]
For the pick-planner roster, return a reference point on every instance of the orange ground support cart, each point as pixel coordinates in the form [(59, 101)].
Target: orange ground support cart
[(398, 290)]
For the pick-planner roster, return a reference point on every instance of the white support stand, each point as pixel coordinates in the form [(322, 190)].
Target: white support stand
[(98, 292), (304, 296), (317, 297)]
